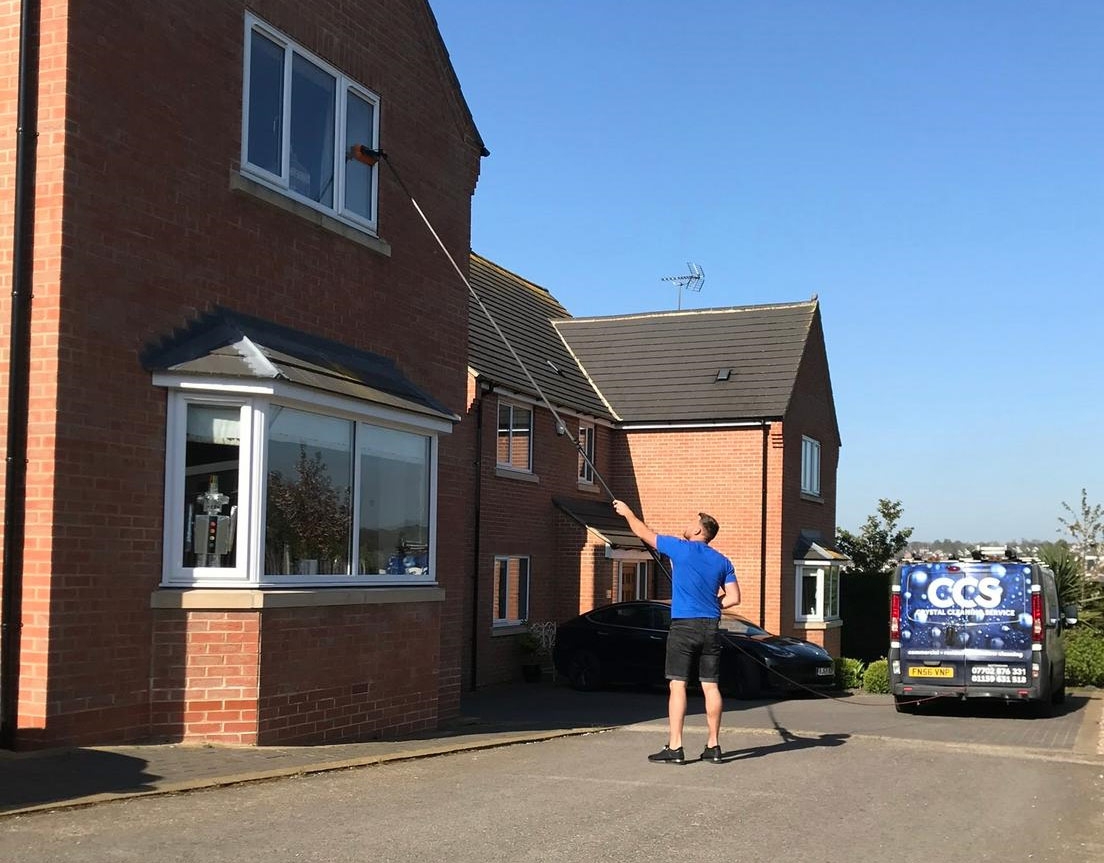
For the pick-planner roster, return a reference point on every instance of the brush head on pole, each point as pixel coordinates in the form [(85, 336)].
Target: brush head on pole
[(360, 153)]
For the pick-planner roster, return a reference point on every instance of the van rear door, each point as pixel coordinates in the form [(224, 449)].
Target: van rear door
[(966, 625)]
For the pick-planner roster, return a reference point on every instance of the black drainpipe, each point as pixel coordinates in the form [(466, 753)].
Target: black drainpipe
[(19, 365), (478, 526), (763, 536)]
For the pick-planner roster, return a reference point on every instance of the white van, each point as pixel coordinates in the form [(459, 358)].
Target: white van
[(977, 629)]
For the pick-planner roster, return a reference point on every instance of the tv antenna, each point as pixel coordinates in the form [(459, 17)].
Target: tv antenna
[(692, 282)]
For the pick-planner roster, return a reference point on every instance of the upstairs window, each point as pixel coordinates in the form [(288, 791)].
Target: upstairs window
[(810, 466), (302, 121), (586, 445), (515, 437)]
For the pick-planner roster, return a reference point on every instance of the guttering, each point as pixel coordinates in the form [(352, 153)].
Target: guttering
[(478, 461), (708, 424), (19, 371)]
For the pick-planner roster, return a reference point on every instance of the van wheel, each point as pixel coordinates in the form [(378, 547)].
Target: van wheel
[(585, 671), (1059, 696), (1043, 709)]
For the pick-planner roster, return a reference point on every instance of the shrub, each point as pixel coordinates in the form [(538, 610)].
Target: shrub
[(876, 677), (1085, 658), (849, 673)]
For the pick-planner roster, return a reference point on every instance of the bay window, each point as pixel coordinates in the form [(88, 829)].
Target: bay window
[(268, 491), (817, 590)]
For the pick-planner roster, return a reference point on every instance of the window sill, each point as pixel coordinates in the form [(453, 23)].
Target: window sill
[(511, 473), (241, 183), (814, 625), (212, 599), (812, 498), (588, 487), (498, 630)]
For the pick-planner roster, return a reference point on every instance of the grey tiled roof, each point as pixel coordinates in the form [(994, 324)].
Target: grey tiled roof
[(227, 343), (663, 367), (524, 312)]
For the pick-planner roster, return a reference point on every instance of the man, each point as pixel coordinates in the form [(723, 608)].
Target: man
[(703, 583)]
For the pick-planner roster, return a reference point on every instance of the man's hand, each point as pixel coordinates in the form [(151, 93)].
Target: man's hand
[(638, 527)]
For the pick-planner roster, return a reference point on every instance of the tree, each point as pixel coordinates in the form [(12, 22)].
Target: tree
[(1086, 528), (879, 540)]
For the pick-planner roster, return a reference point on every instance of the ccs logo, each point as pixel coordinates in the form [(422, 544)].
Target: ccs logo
[(966, 592)]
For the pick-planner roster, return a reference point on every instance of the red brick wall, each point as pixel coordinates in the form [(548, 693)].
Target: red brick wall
[(674, 475), (812, 413), (518, 518), (140, 154)]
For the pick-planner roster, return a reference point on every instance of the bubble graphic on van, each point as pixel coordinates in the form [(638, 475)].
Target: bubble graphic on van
[(996, 642), (998, 570), (921, 615), (906, 635), (1025, 620)]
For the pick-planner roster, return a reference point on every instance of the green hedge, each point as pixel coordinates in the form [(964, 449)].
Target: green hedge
[(876, 677), (1085, 657), (849, 673)]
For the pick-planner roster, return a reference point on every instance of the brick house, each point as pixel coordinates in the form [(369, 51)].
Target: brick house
[(245, 501), (727, 411)]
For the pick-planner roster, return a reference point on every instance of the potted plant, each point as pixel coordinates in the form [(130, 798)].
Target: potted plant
[(531, 650)]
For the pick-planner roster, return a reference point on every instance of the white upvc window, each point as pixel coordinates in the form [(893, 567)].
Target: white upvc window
[(810, 466), (515, 436), (511, 590), (586, 445), (817, 590), (302, 124), (281, 488)]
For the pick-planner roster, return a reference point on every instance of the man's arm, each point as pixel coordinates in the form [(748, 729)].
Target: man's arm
[(731, 594), (635, 524)]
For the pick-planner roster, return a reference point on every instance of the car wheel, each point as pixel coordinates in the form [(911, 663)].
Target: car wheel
[(585, 671), (904, 704)]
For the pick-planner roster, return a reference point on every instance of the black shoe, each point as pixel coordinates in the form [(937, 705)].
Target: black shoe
[(712, 754), (667, 755)]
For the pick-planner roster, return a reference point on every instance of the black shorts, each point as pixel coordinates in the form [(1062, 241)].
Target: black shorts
[(693, 641)]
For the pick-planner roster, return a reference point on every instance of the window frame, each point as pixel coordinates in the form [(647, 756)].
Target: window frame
[(523, 618), (255, 402), (810, 466), (343, 86), (641, 580), (513, 406), (827, 588), (587, 441)]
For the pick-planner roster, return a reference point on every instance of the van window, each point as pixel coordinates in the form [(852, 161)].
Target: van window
[(1050, 592)]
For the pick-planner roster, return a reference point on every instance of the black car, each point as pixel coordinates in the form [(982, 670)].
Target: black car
[(626, 643)]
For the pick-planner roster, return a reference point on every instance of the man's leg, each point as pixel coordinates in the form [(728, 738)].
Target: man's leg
[(676, 713), (713, 707)]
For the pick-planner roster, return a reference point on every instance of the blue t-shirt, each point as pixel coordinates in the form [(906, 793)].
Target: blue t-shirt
[(699, 572)]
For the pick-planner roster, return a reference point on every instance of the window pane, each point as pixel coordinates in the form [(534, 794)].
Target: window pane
[(313, 92), (586, 444), (308, 518), (504, 414), (502, 581), (626, 586), (211, 454), (511, 589), (523, 588), (809, 594), (266, 103), (360, 121), (642, 581), (521, 430), (833, 594), (394, 502)]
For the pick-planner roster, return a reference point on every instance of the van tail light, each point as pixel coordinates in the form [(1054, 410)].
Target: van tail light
[(1036, 617), (894, 616)]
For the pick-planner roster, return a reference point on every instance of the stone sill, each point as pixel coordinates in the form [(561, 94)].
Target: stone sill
[(524, 476), (222, 599), (812, 498), (241, 183), (810, 625)]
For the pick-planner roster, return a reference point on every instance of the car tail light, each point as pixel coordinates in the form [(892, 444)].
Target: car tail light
[(895, 616), (1036, 617)]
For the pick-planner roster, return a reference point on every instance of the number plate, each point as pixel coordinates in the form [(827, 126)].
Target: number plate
[(825, 671), (930, 671)]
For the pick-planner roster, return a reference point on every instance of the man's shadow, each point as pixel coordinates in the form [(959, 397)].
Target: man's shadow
[(789, 742)]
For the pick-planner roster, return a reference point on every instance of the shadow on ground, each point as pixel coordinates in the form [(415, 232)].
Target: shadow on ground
[(28, 779), (993, 708)]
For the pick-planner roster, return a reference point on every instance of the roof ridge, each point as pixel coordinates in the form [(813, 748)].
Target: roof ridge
[(691, 312), (528, 282)]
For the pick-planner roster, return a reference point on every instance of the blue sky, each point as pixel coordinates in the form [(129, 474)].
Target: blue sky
[(933, 171)]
